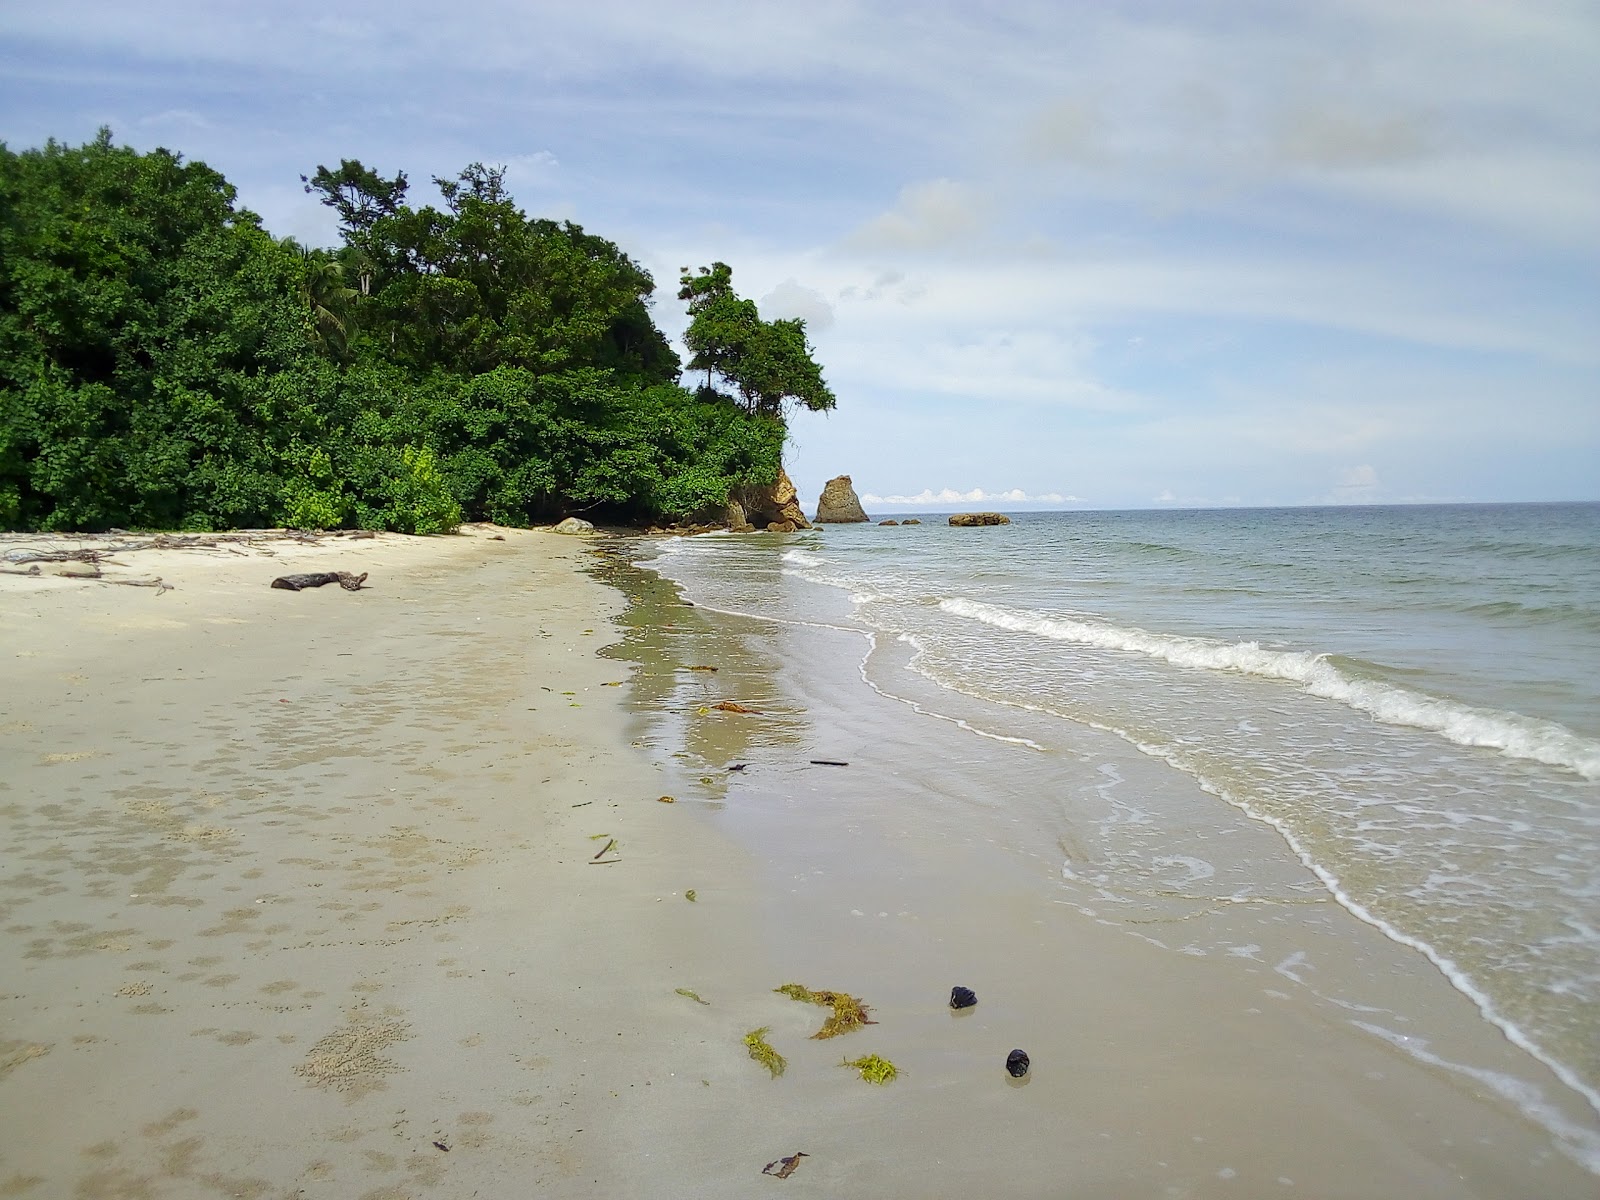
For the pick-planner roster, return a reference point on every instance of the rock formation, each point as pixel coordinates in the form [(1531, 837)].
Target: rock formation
[(981, 518), (839, 504), (573, 525), (761, 508), (889, 522)]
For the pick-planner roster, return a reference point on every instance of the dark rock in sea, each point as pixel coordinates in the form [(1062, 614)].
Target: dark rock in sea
[(888, 522), (839, 504), (961, 997), (780, 527), (1017, 1063), (912, 521), (980, 518)]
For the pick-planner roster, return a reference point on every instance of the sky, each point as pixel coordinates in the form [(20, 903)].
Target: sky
[(1068, 254)]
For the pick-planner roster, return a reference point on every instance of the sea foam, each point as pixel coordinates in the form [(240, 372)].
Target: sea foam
[(1512, 734)]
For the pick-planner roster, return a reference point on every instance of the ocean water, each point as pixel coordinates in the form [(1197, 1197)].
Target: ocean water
[(1409, 696)]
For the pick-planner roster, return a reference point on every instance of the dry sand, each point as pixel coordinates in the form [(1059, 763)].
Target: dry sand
[(300, 897)]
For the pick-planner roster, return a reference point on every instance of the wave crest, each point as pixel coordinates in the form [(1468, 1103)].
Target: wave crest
[(1512, 734)]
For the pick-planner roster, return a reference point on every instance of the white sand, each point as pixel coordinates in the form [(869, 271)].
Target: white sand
[(298, 899)]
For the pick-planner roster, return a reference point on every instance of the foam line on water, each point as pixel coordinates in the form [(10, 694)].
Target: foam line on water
[(861, 667), (1512, 734), (1583, 1145), (1456, 977)]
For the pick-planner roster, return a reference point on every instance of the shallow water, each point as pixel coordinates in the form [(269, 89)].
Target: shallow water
[(1406, 696)]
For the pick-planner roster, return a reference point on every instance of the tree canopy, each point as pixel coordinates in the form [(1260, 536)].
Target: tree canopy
[(165, 363), (768, 363)]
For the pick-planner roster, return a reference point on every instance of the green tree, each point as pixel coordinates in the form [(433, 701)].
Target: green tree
[(768, 363)]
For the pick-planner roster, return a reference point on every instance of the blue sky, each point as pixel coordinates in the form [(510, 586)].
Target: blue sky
[(1087, 253)]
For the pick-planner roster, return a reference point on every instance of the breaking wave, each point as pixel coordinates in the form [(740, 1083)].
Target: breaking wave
[(1512, 734)]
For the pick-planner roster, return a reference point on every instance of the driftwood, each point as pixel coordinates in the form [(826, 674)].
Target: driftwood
[(314, 579)]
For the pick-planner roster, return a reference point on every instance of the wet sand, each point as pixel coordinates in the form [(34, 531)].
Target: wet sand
[(307, 894)]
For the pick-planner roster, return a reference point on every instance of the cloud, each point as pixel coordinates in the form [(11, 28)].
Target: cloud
[(789, 300), (928, 216), (1328, 138), (1356, 485), (945, 496)]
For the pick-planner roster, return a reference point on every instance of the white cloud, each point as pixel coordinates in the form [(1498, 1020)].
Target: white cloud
[(947, 496), (790, 299), (928, 216)]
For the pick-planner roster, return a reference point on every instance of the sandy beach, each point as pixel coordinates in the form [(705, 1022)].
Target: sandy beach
[(375, 894)]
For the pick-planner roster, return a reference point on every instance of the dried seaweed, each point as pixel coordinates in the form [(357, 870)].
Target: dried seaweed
[(873, 1069), (789, 1164), (756, 1042), (734, 707), (848, 1012)]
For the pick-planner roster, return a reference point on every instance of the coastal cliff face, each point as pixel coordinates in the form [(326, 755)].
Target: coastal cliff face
[(773, 508), (839, 504)]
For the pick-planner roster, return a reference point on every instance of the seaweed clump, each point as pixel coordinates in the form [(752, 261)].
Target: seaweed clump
[(873, 1069), (848, 1012), (756, 1042)]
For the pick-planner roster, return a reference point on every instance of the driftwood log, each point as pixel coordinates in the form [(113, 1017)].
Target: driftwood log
[(313, 579)]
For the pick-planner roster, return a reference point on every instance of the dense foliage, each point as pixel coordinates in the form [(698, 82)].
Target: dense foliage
[(166, 363)]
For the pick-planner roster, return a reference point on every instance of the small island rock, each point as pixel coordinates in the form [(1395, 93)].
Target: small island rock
[(839, 504), (980, 518), (890, 522)]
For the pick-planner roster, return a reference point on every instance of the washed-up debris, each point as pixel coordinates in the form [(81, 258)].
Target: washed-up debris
[(848, 1012), (733, 707), (1017, 1063), (606, 849), (665, 800), (315, 579), (828, 762), (788, 1167), (691, 995), (701, 668), (691, 895), (872, 1068), (738, 766), (961, 997), (441, 1146), (756, 1042)]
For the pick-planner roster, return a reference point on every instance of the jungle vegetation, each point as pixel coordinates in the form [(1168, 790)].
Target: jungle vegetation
[(166, 363)]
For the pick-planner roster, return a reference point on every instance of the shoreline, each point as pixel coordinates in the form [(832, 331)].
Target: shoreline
[(303, 900)]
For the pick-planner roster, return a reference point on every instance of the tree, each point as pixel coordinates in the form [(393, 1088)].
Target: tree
[(768, 363), (357, 193), (325, 296)]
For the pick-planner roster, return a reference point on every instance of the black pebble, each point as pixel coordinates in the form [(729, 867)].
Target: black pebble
[(961, 997), (1017, 1063)]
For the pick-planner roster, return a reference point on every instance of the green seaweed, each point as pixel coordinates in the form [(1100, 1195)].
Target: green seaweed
[(690, 895), (756, 1042), (691, 995), (873, 1069), (848, 1012)]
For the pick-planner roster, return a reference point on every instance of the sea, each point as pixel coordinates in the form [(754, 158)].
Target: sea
[(1406, 697)]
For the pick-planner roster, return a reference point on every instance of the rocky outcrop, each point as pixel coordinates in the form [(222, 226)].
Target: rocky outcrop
[(839, 504), (762, 508), (574, 525), (738, 520), (983, 518), (890, 522), (912, 521)]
